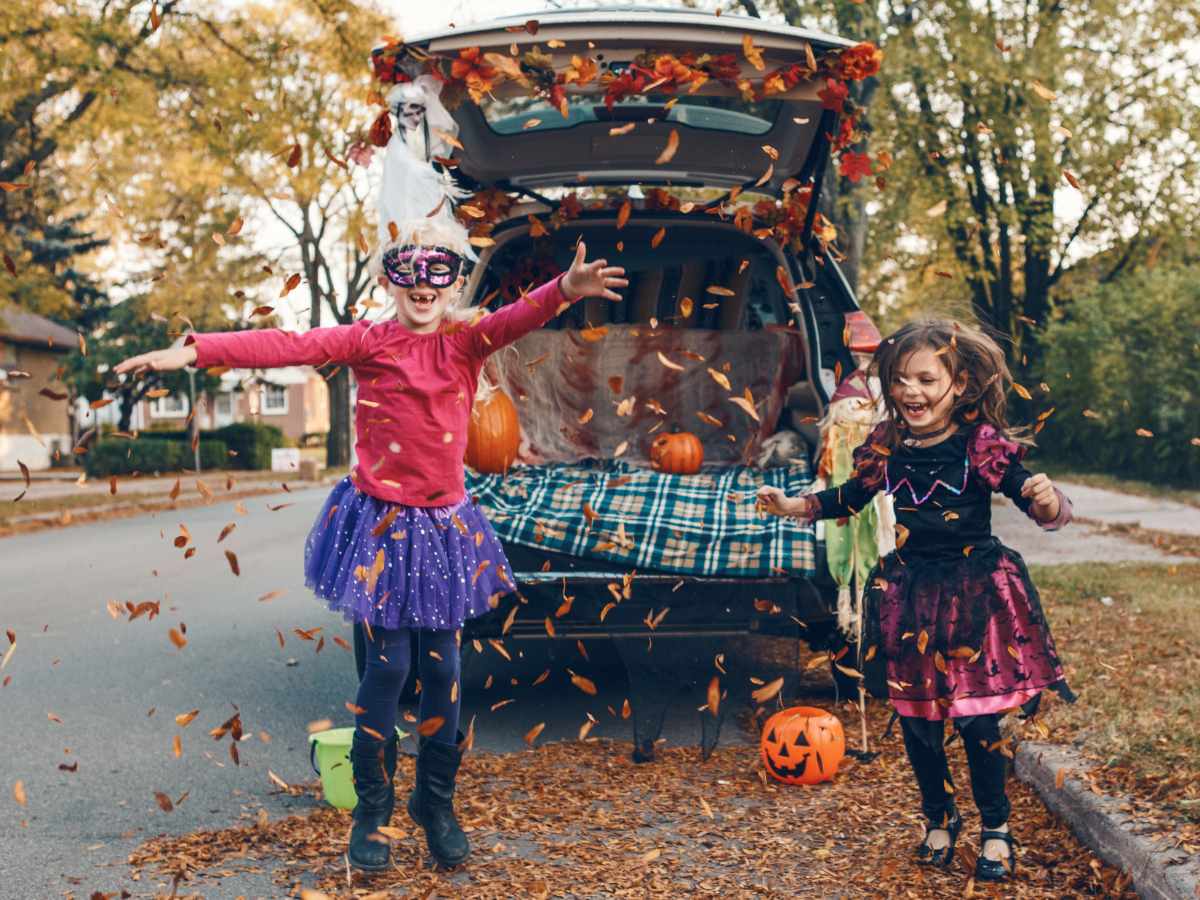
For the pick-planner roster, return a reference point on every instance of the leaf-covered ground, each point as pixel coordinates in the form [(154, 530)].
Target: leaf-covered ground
[(581, 820)]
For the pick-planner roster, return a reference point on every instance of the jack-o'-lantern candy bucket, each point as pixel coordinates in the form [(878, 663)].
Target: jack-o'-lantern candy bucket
[(802, 745)]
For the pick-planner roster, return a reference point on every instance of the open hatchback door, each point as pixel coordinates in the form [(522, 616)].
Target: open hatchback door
[(622, 95)]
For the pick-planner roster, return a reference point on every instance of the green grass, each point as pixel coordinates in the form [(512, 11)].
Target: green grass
[(1064, 472), (1135, 666)]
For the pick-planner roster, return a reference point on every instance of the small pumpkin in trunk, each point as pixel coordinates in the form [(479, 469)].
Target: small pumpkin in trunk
[(493, 434), (679, 453)]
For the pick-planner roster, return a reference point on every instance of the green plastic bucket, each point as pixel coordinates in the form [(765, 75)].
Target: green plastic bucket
[(329, 754)]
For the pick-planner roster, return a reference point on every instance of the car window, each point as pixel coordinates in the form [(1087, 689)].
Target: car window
[(517, 115)]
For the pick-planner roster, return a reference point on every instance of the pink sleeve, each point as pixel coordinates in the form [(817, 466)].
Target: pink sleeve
[(523, 315), (270, 348)]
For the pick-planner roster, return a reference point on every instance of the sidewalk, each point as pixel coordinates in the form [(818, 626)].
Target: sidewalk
[(1115, 508)]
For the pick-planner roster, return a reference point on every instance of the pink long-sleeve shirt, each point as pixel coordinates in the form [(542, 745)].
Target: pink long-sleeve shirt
[(415, 391)]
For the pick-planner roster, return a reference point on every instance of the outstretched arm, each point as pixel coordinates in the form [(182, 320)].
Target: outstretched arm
[(258, 349), (539, 306)]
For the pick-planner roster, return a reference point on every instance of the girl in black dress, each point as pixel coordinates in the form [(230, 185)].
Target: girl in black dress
[(952, 611)]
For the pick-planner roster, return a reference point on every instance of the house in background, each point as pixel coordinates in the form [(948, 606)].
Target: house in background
[(32, 425), (294, 399)]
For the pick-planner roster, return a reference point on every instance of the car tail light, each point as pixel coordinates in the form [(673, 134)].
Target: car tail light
[(861, 335)]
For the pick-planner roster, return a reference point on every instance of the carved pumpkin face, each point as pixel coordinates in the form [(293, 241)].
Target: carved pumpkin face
[(493, 434), (679, 453), (802, 745)]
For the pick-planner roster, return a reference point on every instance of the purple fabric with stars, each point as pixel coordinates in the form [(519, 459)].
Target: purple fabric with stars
[(431, 576)]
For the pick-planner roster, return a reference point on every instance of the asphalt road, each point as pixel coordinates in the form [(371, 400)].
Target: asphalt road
[(114, 687)]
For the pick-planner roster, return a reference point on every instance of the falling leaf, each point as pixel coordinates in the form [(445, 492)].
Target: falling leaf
[(1144, 432), (532, 734), (294, 156), (177, 638), (767, 691), (714, 695), (1071, 180), (621, 129), (922, 641), (431, 726), (233, 562), (584, 684), (747, 406), (686, 306), (164, 802), (177, 746), (937, 209), (662, 358), (183, 720), (1042, 91), (720, 378), (1022, 392), (292, 282), (668, 152), (623, 213), (658, 237)]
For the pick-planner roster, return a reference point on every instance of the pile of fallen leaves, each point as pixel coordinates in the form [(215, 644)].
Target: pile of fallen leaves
[(581, 818)]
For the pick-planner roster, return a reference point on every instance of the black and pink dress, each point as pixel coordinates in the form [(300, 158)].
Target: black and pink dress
[(952, 611)]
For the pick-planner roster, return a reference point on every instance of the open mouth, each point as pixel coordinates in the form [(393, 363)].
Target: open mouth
[(422, 300), (914, 410)]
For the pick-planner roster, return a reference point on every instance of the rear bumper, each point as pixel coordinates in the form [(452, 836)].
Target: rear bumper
[(561, 597)]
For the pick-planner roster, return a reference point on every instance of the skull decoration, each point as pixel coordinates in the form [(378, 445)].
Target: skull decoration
[(410, 114), (802, 745)]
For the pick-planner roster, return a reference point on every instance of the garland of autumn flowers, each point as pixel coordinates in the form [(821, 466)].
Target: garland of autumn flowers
[(473, 73)]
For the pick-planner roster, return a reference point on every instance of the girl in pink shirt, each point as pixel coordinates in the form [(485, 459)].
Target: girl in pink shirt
[(398, 546), (952, 611)]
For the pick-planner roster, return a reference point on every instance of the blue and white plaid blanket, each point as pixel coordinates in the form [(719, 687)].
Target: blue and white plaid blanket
[(703, 524)]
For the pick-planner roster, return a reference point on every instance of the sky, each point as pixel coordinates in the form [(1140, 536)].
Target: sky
[(415, 17)]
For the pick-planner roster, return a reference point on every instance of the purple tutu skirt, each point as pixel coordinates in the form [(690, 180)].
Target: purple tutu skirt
[(395, 566)]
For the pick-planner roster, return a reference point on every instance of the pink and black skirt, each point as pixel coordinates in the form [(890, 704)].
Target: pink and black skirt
[(961, 635), (394, 566)]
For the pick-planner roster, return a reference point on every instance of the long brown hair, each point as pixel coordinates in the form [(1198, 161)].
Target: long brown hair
[(964, 351)]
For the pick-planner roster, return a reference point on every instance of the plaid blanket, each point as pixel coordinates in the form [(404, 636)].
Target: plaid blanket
[(703, 524)]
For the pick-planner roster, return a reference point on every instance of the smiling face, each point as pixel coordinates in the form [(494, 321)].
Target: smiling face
[(424, 282), (924, 391)]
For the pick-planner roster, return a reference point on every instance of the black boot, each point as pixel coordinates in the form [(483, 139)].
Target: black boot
[(373, 763), (431, 803)]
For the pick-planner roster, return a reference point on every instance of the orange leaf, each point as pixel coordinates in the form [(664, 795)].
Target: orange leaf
[(584, 684), (767, 691), (623, 213), (532, 734), (177, 638), (714, 695), (668, 152), (431, 726), (753, 54)]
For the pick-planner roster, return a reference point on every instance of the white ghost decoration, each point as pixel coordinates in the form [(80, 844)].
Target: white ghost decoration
[(411, 188)]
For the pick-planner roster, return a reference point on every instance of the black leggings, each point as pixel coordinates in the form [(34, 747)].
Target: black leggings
[(388, 656), (989, 768)]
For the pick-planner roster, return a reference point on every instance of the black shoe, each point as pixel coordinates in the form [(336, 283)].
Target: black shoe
[(373, 763), (995, 869), (952, 824), (431, 803)]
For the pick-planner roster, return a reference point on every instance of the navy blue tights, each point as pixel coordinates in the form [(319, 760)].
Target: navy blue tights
[(388, 660)]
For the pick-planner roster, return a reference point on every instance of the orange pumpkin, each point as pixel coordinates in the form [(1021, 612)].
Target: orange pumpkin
[(493, 434), (802, 745), (679, 453)]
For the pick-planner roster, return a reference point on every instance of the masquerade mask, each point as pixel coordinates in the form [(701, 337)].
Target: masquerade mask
[(436, 266)]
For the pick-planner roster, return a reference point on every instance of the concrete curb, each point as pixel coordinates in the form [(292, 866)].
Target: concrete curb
[(1159, 872)]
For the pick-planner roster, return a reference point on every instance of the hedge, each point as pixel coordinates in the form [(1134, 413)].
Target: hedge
[(1122, 364), (150, 455), (251, 443)]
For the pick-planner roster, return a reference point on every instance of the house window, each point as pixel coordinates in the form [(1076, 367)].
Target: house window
[(274, 400), (223, 405), (172, 406)]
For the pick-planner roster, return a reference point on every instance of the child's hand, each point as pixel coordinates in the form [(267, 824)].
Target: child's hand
[(592, 279), (159, 360), (774, 501), (1040, 489)]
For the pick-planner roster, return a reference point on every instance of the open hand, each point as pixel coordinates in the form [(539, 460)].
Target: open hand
[(592, 279), (1040, 489), (159, 360), (776, 502)]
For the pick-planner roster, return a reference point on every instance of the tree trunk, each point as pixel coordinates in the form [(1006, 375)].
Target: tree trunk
[(337, 445)]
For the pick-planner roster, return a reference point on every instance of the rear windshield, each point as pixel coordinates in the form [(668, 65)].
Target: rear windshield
[(520, 114)]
